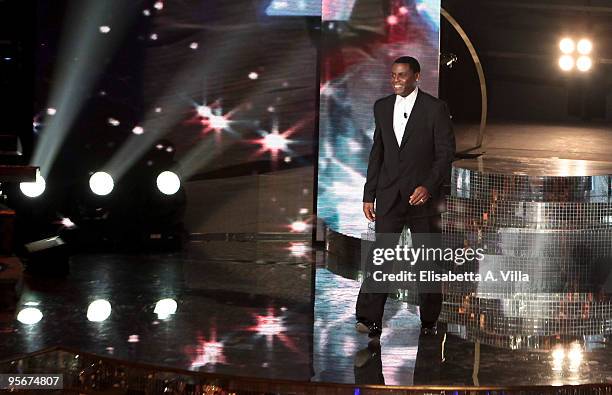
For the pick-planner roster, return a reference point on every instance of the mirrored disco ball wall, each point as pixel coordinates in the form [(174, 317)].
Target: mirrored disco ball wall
[(545, 218)]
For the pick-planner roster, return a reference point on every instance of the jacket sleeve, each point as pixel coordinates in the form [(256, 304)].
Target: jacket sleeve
[(374, 163), (444, 150)]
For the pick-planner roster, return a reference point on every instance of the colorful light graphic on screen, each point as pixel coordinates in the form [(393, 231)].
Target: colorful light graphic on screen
[(354, 74)]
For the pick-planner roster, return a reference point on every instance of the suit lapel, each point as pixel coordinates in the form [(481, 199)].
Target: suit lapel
[(390, 106), (413, 120)]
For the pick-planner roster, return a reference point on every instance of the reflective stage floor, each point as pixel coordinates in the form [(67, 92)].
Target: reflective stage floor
[(250, 309)]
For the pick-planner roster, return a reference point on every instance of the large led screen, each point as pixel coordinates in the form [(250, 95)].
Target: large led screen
[(357, 50)]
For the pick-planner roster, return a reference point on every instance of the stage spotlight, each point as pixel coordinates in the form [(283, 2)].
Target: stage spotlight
[(275, 141), (165, 308), (567, 45), (558, 356), (29, 316), (584, 63), (204, 111), (168, 183), (566, 62), (101, 183), (392, 20), (299, 226), (218, 122), (33, 189), (584, 46), (99, 310), (299, 249), (67, 223)]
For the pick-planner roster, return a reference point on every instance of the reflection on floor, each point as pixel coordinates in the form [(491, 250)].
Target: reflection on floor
[(245, 308)]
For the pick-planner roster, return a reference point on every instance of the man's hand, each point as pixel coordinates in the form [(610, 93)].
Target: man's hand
[(419, 196), (368, 210)]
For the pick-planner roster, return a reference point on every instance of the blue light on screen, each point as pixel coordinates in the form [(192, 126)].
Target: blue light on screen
[(294, 8)]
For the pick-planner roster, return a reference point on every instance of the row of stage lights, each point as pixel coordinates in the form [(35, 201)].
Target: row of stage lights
[(567, 60), (102, 184), (98, 311)]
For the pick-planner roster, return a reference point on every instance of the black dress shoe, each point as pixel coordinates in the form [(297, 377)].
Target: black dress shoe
[(429, 329), (372, 329)]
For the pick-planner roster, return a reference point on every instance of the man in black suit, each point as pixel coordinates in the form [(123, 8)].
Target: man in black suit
[(410, 160)]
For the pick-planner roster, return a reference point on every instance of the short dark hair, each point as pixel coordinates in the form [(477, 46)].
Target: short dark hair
[(409, 60)]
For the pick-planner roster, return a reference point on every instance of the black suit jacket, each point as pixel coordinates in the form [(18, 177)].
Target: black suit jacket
[(423, 158)]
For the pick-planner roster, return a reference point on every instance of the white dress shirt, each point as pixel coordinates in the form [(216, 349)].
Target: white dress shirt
[(401, 113)]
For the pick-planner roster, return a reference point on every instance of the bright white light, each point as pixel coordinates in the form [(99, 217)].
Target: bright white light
[(287, 159), (299, 249), (298, 226), (158, 109), (101, 183), (218, 122), (138, 130), (169, 149), (253, 75), (153, 36), (584, 46), (29, 316), (194, 45), (574, 355), (104, 29), (204, 111), (584, 63), (67, 223), (566, 63), (146, 12), (133, 339), (114, 122), (270, 325), (208, 353), (159, 5), (99, 310), (354, 146), (274, 141), (33, 189), (164, 308), (403, 10), (271, 109), (392, 20), (168, 183), (558, 355), (51, 111), (303, 211), (567, 45)]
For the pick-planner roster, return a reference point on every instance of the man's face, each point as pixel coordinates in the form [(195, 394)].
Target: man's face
[(403, 79)]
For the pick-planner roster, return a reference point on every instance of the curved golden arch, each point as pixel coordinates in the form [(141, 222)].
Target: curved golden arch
[(481, 78)]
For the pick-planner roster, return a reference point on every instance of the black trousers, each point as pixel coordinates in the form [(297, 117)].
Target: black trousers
[(370, 306)]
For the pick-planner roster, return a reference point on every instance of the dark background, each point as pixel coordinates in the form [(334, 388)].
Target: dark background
[(517, 43)]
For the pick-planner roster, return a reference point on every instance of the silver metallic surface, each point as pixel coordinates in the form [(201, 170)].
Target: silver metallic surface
[(548, 218)]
